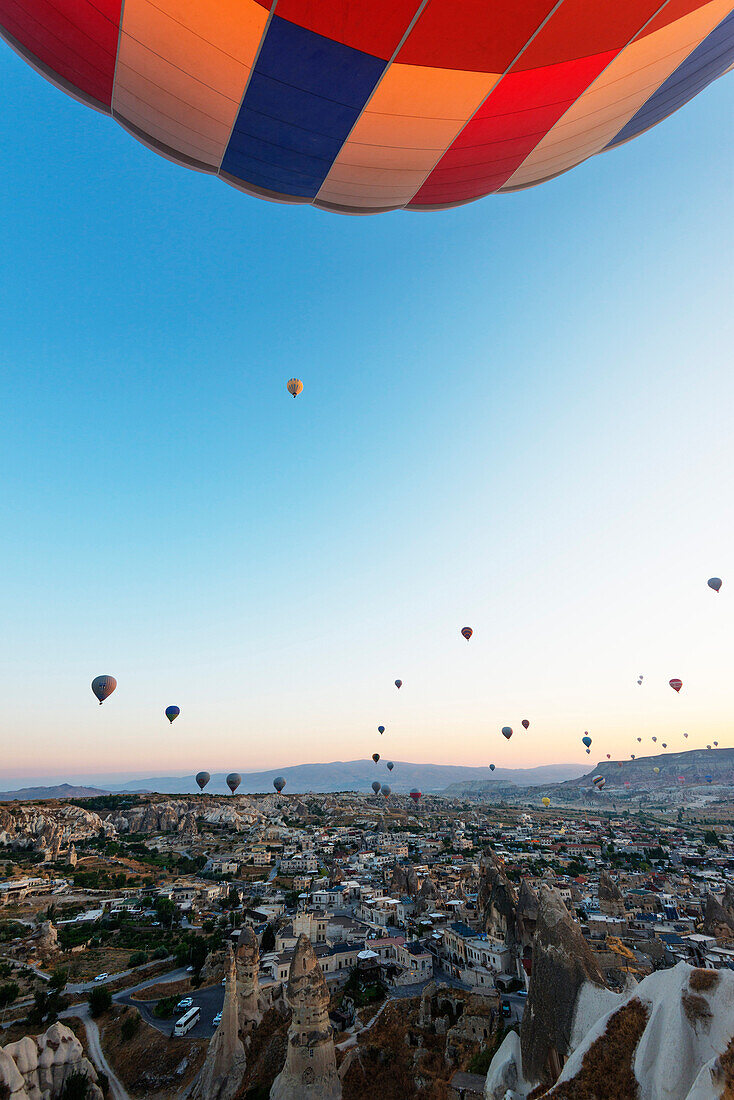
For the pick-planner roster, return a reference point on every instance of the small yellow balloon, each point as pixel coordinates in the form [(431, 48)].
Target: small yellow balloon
[(656, 770), (295, 386), (545, 801)]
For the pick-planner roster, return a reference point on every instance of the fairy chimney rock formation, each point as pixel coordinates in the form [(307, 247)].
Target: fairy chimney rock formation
[(310, 1066), (497, 900), (248, 967), (527, 913), (563, 963), (718, 920), (611, 901), (38, 1068), (224, 1068)]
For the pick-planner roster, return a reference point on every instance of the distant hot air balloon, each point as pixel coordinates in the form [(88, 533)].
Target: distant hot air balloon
[(386, 790), (708, 746), (294, 386), (654, 738), (525, 723), (676, 684), (633, 757), (376, 785), (380, 729), (619, 763), (416, 795), (507, 732), (665, 744), (714, 582), (103, 686), (545, 801), (202, 778), (656, 770), (172, 713), (716, 744), (390, 765), (639, 739), (398, 684), (375, 756), (609, 756), (709, 778), (686, 736), (491, 767), (586, 740), (233, 781), (597, 780), (279, 783), (681, 779), (627, 783), (467, 632)]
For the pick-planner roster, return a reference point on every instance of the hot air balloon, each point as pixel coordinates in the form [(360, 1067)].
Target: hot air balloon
[(708, 746), (676, 684), (609, 756), (202, 778), (654, 738), (597, 780), (633, 757), (525, 724), (681, 779), (545, 801), (390, 765), (507, 732), (491, 767), (586, 740), (294, 386), (665, 744), (714, 582), (233, 781), (467, 632), (386, 790), (375, 756), (416, 795), (639, 739), (656, 770), (334, 105), (716, 744), (376, 785), (627, 783), (103, 686), (380, 729), (172, 713), (398, 684), (279, 783), (686, 736), (709, 778)]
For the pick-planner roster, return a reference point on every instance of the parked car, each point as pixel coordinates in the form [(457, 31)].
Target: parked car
[(184, 1003), (101, 977), (506, 1009), (217, 1019)]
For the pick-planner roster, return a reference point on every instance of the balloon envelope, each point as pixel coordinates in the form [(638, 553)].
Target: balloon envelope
[(715, 583), (390, 765), (233, 781), (656, 770), (709, 778), (586, 740), (525, 724), (375, 756), (415, 794), (202, 778), (386, 790), (279, 783), (294, 386), (328, 104), (491, 767), (380, 729), (467, 632), (507, 732), (172, 713), (398, 684), (545, 801), (376, 785), (676, 684), (103, 686)]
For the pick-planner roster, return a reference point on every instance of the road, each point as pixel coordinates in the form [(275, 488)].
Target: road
[(209, 1000), (94, 1046), (84, 987)]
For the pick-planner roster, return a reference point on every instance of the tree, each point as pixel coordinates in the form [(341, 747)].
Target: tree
[(59, 978), (268, 940), (8, 993), (100, 1000), (76, 1086), (165, 911)]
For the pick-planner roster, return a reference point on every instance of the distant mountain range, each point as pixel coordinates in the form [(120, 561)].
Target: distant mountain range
[(691, 766), (63, 790), (357, 775)]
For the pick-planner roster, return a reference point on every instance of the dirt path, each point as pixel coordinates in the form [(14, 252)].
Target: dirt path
[(94, 1045)]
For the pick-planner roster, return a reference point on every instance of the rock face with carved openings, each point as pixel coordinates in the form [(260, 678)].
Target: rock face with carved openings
[(310, 1066), (718, 919), (248, 967), (611, 901), (497, 900)]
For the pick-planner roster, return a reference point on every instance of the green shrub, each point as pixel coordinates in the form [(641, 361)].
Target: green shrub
[(138, 958), (130, 1025), (100, 1000)]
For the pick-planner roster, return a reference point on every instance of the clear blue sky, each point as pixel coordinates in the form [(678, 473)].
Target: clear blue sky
[(516, 416)]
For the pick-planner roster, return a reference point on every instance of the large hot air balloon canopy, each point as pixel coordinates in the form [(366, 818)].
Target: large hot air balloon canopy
[(372, 106)]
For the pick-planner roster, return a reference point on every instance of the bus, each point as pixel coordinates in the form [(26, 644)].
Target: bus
[(187, 1021)]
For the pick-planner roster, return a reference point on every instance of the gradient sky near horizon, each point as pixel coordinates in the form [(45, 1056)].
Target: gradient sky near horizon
[(516, 416)]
